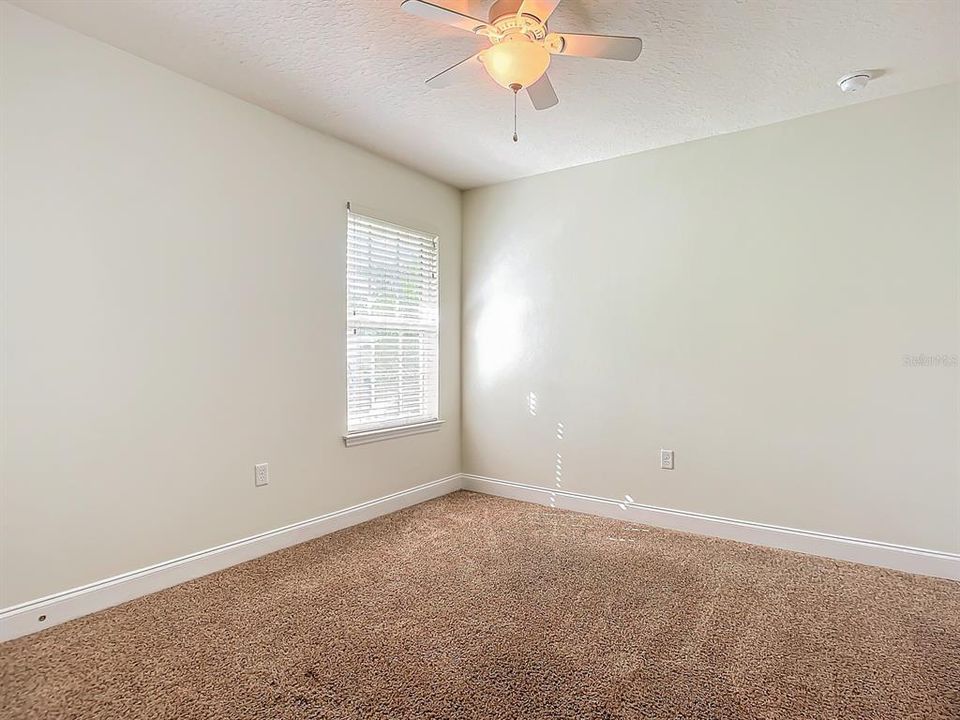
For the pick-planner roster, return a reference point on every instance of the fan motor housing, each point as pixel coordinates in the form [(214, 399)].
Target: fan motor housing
[(506, 23), (503, 7)]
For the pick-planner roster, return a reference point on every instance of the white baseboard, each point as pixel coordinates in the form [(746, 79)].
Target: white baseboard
[(867, 552), (23, 619)]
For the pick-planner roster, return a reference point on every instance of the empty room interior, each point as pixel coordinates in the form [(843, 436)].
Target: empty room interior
[(547, 359)]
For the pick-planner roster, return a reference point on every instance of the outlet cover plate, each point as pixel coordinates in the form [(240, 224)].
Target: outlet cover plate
[(666, 459), (261, 475)]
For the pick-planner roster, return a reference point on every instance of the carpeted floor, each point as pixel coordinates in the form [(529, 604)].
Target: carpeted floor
[(478, 607)]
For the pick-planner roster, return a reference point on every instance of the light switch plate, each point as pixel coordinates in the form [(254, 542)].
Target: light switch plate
[(666, 459), (261, 474)]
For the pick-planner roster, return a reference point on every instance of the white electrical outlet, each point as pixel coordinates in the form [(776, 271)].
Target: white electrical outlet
[(666, 459), (261, 474)]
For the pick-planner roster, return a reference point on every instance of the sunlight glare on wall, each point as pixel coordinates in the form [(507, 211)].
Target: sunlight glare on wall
[(498, 335)]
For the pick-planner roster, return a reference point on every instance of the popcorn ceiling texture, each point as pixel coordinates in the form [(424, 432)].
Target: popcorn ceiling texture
[(356, 69), (476, 607)]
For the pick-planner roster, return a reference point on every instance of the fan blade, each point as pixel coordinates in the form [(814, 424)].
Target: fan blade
[(542, 94), (540, 9), (611, 47), (440, 14), (455, 72)]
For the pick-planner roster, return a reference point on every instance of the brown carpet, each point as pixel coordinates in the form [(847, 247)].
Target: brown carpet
[(477, 607)]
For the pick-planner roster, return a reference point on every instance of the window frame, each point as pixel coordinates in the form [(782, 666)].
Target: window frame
[(404, 428)]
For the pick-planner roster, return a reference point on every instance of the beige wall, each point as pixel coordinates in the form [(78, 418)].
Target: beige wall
[(174, 312), (747, 301)]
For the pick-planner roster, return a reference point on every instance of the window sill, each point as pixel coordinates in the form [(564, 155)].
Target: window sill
[(369, 436)]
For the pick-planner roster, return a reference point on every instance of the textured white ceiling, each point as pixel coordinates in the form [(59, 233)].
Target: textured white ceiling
[(356, 69)]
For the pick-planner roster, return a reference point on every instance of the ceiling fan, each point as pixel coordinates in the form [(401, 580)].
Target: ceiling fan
[(521, 46)]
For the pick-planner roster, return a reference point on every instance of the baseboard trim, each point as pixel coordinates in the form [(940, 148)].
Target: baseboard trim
[(22, 619), (866, 552)]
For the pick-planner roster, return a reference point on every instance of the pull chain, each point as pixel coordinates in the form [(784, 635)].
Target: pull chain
[(516, 90)]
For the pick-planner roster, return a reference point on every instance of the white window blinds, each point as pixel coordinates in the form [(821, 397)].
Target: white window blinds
[(393, 328)]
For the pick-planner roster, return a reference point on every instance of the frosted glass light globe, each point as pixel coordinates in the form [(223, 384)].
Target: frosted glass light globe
[(516, 61)]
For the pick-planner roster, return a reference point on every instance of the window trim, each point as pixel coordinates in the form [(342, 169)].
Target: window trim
[(368, 436), (419, 426)]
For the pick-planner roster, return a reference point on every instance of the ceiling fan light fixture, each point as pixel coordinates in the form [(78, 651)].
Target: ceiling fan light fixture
[(516, 61)]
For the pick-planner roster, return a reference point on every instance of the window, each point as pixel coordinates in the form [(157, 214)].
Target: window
[(393, 329)]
